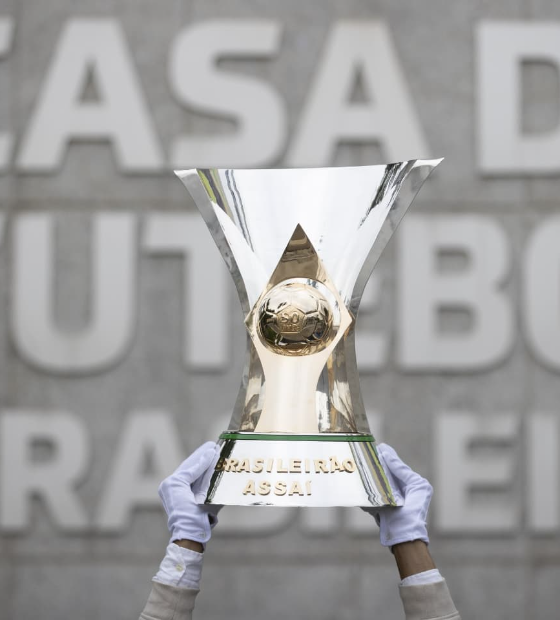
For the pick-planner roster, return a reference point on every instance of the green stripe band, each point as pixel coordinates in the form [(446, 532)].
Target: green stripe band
[(280, 437)]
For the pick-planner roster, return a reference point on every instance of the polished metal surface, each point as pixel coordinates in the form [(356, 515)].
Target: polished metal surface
[(300, 245)]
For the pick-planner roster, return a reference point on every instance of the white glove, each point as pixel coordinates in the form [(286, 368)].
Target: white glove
[(181, 493), (407, 522)]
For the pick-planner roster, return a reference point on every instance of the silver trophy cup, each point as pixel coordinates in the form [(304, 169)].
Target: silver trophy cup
[(301, 245)]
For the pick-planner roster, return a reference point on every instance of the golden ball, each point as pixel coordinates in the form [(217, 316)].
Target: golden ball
[(295, 319)]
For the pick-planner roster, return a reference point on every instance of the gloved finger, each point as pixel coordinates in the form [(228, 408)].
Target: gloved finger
[(200, 486), (420, 492), (174, 489), (398, 468), (196, 464)]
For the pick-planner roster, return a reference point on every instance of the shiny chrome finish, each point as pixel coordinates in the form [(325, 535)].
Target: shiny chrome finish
[(301, 245)]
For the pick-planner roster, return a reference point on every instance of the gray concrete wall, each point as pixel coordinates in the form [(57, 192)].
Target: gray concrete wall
[(319, 563)]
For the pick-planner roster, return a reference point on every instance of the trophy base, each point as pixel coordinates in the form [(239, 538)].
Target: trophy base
[(323, 469)]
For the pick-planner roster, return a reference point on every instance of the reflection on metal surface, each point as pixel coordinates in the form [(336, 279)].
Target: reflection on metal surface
[(300, 245)]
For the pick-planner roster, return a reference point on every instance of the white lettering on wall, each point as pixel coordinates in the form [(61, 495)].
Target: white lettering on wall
[(206, 339), (199, 84), (478, 472), (426, 289), (52, 479), (372, 347), (146, 435), (93, 47), (503, 146), (541, 288), (388, 117), (460, 471), (423, 292), (113, 308), (543, 469), (6, 42), (96, 48)]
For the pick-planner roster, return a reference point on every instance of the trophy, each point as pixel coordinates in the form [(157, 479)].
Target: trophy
[(300, 245)]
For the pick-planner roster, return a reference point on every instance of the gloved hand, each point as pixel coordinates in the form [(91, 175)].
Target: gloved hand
[(407, 522), (181, 493)]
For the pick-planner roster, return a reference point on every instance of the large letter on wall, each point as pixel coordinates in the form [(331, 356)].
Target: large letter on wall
[(462, 467), (206, 335), (6, 40), (543, 468), (371, 346), (146, 436), (93, 47), (53, 479), (474, 289), (199, 84), (503, 146), (541, 298), (388, 116), (111, 327)]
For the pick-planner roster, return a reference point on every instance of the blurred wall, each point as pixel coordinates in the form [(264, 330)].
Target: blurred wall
[(121, 339)]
